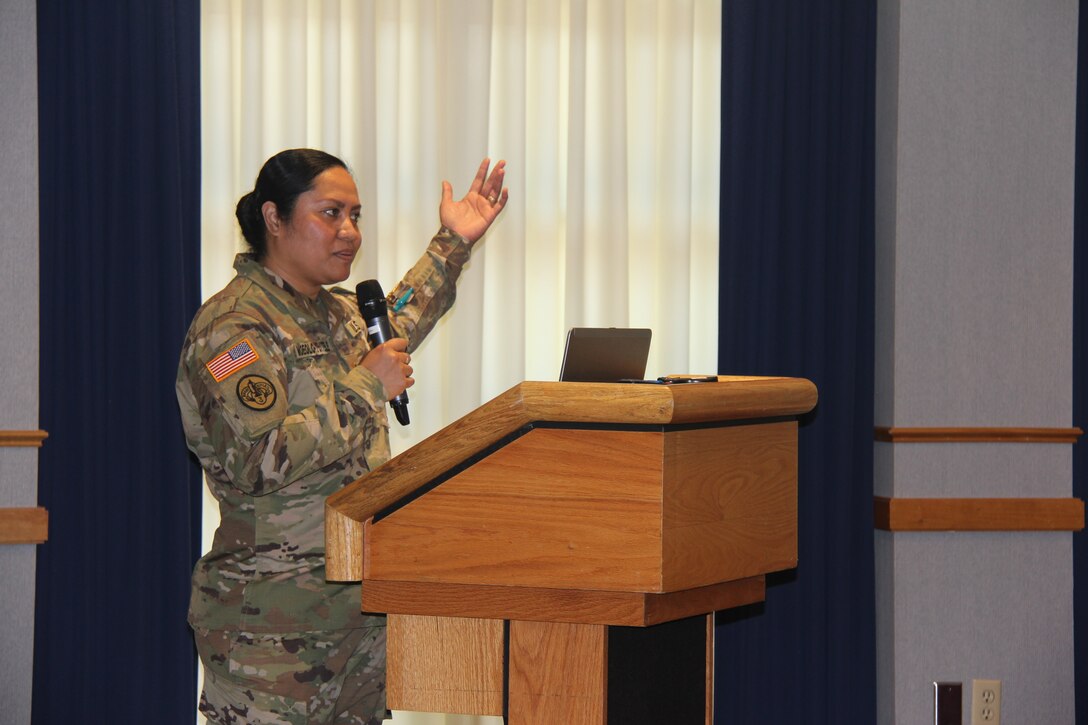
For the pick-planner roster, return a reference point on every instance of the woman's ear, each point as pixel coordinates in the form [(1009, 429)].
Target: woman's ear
[(271, 217)]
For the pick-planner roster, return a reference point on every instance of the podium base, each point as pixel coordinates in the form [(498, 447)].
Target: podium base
[(542, 673)]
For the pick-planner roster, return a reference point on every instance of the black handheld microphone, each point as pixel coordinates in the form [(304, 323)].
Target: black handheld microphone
[(371, 301)]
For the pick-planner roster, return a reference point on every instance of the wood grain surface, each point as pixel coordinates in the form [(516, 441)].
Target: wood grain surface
[(441, 664), (730, 503), (731, 398), (558, 673), (22, 438), (635, 511), (978, 514), (631, 609), (977, 435), (566, 509), (24, 525)]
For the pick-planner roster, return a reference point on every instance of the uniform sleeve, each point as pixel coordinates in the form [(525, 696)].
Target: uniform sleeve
[(264, 428), (430, 287)]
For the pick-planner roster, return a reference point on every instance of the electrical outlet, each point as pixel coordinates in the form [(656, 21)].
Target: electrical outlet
[(985, 702)]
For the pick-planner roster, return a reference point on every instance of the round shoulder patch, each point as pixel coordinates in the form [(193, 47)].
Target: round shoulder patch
[(256, 392)]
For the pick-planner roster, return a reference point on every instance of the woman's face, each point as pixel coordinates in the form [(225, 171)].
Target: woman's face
[(316, 245)]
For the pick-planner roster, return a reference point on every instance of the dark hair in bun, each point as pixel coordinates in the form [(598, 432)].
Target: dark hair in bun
[(281, 180)]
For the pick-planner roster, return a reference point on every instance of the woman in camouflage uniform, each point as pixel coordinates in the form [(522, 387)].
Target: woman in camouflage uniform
[(283, 400)]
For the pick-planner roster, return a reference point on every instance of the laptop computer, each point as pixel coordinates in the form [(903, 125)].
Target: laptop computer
[(605, 354)]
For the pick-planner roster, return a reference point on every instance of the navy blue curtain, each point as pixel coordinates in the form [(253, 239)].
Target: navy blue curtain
[(120, 224), (1080, 367), (796, 298)]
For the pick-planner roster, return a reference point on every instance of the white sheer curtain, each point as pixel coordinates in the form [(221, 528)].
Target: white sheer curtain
[(607, 112)]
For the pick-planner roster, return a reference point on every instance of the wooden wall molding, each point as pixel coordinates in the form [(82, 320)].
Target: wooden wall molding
[(24, 525), (895, 434), (28, 438), (978, 514)]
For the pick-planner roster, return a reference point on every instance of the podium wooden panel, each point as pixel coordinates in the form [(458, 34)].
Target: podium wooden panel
[(518, 546)]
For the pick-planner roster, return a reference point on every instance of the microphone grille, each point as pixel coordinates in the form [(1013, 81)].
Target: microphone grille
[(369, 289)]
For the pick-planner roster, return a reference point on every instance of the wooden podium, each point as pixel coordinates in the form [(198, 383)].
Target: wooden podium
[(556, 556)]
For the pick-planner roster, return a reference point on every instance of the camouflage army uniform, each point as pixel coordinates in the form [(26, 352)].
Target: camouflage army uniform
[(281, 414)]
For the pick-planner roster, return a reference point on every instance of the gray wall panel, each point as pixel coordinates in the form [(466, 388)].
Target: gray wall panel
[(884, 557), (16, 633), (985, 137), (885, 207), (989, 470), (18, 476), (19, 212), (984, 606), (975, 149), (19, 331)]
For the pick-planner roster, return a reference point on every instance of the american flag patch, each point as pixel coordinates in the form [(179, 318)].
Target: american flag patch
[(232, 360)]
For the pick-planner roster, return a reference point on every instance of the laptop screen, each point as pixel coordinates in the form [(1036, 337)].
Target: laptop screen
[(605, 354)]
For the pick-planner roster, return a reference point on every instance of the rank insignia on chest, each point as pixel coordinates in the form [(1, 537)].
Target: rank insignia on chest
[(312, 348), (222, 366), (354, 328)]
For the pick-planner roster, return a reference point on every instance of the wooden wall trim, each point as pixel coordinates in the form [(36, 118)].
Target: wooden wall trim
[(976, 435), (24, 525), (978, 514), (29, 438)]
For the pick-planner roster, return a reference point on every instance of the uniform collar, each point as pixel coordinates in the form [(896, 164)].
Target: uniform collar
[(246, 265)]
